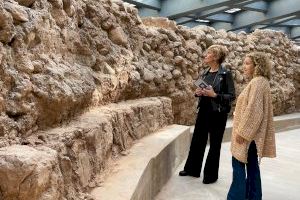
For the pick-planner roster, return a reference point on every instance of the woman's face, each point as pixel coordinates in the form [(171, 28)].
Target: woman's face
[(248, 67), (209, 57)]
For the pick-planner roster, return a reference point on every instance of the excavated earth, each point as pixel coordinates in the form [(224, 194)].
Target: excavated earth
[(82, 80)]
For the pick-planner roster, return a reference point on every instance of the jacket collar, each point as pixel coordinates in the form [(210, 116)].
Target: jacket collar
[(221, 70)]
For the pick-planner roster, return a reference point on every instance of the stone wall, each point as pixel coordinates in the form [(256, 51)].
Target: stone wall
[(59, 57), (67, 62), (190, 43), (65, 162)]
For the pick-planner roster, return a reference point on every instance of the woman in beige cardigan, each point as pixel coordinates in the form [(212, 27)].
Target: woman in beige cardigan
[(253, 132)]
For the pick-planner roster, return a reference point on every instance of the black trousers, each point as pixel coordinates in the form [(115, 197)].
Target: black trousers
[(212, 124)]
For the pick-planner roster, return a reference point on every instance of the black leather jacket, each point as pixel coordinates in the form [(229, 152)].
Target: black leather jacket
[(224, 87)]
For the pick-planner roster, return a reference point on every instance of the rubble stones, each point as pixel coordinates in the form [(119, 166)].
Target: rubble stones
[(61, 162), (118, 36), (34, 171), (61, 58)]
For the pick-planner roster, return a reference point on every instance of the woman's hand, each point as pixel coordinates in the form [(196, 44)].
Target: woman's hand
[(209, 91), (199, 92), (239, 139)]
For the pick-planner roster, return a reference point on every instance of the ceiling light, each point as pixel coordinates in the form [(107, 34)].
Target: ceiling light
[(233, 10), (202, 20)]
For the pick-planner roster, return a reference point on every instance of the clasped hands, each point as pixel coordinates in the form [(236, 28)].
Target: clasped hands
[(209, 92)]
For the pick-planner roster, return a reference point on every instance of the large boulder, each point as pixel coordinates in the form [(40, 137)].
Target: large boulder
[(29, 173)]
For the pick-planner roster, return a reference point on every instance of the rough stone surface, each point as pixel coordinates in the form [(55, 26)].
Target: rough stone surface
[(60, 58), (65, 162), (29, 173)]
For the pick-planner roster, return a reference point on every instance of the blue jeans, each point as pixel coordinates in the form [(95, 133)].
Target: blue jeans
[(243, 187)]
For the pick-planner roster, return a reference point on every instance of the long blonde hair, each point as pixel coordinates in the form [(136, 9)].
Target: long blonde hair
[(262, 65)]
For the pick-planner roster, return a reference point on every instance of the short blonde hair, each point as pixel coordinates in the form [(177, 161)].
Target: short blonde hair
[(262, 65), (219, 51)]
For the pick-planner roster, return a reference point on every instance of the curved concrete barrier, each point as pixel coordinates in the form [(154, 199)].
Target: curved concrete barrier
[(149, 165), (153, 160)]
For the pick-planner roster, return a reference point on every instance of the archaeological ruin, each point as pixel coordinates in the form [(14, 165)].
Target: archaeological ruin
[(82, 80)]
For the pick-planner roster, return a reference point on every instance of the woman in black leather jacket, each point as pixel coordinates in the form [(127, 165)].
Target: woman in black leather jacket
[(214, 106)]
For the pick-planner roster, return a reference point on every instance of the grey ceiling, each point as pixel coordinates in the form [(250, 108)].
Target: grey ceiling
[(281, 15)]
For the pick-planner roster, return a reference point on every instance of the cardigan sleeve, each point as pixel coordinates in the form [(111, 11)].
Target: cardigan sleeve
[(251, 117)]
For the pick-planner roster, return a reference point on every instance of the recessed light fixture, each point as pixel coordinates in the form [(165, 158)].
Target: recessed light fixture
[(233, 10), (202, 20)]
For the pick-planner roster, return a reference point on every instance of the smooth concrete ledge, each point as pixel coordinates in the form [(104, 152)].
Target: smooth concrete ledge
[(153, 159), (146, 169), (287, 122)]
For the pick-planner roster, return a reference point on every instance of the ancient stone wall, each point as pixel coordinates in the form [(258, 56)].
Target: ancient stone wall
[(65, 162), (61, 59), (190, 44)]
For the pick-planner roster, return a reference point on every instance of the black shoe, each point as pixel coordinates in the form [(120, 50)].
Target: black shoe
[(209, 181), (185, 173)]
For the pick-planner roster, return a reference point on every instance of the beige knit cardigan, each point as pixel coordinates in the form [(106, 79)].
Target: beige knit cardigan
[(253, 120)]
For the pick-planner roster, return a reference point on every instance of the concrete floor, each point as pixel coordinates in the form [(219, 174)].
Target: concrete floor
[(280, 176)]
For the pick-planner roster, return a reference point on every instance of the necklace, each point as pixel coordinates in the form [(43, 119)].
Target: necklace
[(212, 85)]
